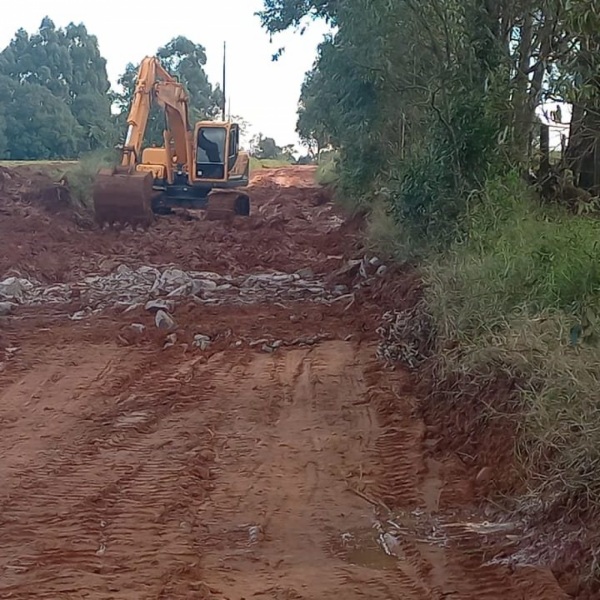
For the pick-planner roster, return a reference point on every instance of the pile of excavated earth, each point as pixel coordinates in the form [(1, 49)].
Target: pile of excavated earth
[(212, 410)]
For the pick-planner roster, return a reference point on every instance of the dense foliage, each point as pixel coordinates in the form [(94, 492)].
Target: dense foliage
[(447, 89), (56, 101), (54, 94)]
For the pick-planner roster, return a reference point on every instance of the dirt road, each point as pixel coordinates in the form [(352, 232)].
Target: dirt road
[(256, 449)]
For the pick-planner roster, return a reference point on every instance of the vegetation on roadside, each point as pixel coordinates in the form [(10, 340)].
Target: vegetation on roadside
[(81, 175), (433, 110)]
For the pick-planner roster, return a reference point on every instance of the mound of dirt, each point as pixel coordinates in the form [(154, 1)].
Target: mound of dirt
[(284, 232)]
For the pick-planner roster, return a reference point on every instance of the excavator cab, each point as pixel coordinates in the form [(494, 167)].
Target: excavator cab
[(217, 151), (220, 165)]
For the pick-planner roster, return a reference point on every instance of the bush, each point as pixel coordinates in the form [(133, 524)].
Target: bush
[(81, 177)]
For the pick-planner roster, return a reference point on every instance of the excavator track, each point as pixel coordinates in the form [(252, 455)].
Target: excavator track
[(224, 205), (123, 198)]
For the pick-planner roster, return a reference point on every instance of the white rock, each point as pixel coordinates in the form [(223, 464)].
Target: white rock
[(202, 285), (132, 307), (124, 270), (174, 278), (206, 275), (166, 305), (137, 327), (6, 308), (14, 288), (171, 340), (164, 320), (305, 273), (201, 341), (182, 290)]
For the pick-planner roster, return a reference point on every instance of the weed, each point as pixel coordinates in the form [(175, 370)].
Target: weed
[(80, 178)]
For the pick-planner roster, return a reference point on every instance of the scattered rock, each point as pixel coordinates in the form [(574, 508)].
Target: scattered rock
[(381, 270), (164, 320), (254, 534), (201, 341), (126, 289), (202, 285), (165, 305), (182, 290), (14, 288), (124, 270), (132, 307), (137, 328), (306, 273), (6, 308), (170, 340)]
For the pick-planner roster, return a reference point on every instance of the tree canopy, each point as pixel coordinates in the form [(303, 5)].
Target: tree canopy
[(56, 100), (59, 79), (433, 96)]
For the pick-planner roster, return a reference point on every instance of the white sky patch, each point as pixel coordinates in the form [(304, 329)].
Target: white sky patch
[(263, 92)]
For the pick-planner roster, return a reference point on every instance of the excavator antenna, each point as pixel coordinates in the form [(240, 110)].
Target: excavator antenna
[(224, 81)]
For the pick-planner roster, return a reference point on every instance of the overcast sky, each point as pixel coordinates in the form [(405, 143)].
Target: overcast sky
[(265, 93)]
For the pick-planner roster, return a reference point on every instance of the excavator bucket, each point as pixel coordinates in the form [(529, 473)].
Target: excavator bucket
[(123, 198), (224, 205)]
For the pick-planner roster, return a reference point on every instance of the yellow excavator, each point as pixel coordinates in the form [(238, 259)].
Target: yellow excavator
[(199, 166)]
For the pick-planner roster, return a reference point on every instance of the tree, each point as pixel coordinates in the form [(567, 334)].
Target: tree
[(38, 125), (185, 60), (3, 138), (431, 97), (67, 62)]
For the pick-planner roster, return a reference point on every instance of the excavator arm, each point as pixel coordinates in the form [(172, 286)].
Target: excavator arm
[(154, 83), (122, 194)]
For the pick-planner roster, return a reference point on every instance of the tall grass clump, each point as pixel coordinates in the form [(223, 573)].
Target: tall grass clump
[(81, 176)]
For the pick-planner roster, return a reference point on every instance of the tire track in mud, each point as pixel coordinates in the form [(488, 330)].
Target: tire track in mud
[(295, 440), (451, 566), (110, 510)]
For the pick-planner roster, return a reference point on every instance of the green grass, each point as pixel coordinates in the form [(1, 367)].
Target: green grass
[(520, 298), (327, 173), (81, 175), (266, 163), (36, 163)]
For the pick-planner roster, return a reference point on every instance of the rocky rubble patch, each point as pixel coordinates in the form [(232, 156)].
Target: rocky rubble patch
[(159, 290)]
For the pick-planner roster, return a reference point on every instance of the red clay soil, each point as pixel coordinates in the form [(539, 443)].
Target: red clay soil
[(247, 470)]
